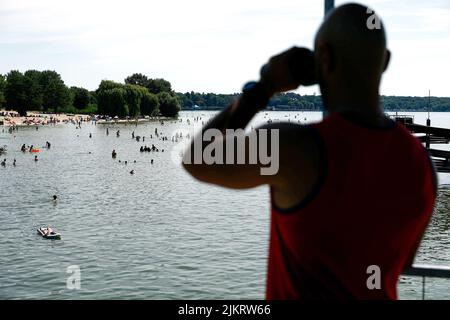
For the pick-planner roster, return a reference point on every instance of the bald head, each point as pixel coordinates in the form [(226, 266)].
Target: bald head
[(350, 47), (355, 35)]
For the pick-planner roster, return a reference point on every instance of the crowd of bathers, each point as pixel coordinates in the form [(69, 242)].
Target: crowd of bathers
[(24, 149), (175, 138), (150, 149)]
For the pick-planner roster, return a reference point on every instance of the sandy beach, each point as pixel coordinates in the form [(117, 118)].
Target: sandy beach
[(12, 118)]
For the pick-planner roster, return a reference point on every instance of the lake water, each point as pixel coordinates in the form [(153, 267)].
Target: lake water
[(157, 234)]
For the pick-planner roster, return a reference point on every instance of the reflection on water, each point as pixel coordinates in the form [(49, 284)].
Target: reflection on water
[(155, 234)]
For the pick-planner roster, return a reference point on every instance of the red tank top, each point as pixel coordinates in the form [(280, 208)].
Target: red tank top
[(371, 204)]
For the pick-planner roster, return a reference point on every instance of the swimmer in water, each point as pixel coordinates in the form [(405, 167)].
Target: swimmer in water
[(132, 172), (36, 158), (114, 154)]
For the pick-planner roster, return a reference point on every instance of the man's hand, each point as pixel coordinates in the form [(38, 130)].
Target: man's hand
[(288, 70)]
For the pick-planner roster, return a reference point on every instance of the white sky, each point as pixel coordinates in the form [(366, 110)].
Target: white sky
[(207, 45)]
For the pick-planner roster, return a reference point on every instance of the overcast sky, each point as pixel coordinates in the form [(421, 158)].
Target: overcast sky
[(208, 45)]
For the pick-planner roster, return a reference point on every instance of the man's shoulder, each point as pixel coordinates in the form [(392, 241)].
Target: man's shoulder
[(297, 139), (287, 128), (293, 132), (407, 139)]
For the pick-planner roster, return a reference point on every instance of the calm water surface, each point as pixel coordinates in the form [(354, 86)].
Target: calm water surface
[(157, 234)]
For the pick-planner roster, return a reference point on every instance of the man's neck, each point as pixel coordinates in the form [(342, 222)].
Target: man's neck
[(366, 108)]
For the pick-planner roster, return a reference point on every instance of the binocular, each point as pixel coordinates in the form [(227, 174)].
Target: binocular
[(301, 66)]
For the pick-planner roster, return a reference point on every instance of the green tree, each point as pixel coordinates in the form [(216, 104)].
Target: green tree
[(2, 90), (149, 104), (108, 84), (133, 96), (153, 85), (169, 106), (55, 93), (186, 102), (103, 102), (92, 97), (34, 91), (81, 97), (137, 79), (117, 101), (158, 85), (103, 97), (16, 92)]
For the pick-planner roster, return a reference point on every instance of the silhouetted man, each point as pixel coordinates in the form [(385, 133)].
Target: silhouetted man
[(353, 193)]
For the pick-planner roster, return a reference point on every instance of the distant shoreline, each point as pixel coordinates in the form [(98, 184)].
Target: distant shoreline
[(37, 119), (303, 110)]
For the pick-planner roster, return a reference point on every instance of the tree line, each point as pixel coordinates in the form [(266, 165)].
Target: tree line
[(140, 95), (294, 101), (45, 91)]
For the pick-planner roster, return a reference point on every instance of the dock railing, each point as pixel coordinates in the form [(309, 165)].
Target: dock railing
[(427, 271)]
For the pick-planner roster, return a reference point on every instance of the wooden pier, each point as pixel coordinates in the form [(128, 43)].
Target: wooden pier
[(433, 135)]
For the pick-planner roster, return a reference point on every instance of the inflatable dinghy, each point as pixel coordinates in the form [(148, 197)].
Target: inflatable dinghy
[(48, 233)]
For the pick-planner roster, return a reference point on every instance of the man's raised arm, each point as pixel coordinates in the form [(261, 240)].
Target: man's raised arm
[(222, 154)]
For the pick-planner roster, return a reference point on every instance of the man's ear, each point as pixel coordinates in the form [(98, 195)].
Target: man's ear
[(387, 59)]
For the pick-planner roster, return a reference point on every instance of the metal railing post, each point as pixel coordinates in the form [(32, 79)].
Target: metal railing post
[(328, 6), (427, 271), (423, 288)]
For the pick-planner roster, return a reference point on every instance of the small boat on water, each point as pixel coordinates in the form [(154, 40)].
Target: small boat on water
[(48, 233)]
